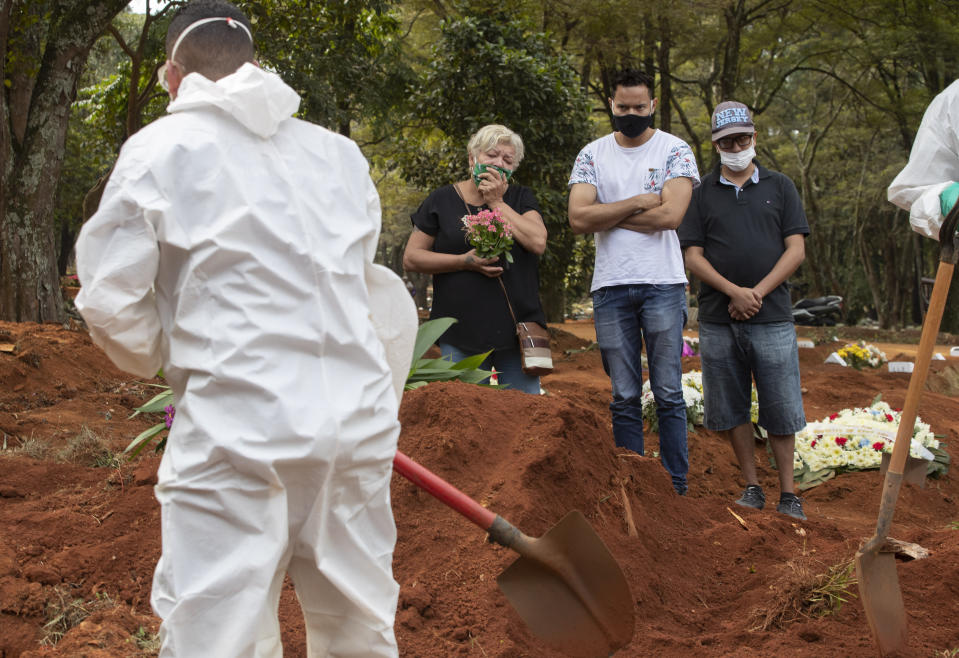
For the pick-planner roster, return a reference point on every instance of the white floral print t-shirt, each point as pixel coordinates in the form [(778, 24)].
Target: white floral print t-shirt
[(623, 256)]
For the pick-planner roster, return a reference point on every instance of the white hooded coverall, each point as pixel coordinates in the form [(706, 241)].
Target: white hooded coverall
[(233, 247), (933, 164)]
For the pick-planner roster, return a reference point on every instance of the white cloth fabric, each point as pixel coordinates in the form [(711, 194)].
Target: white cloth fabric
[(933, 164), (234, 247), (624, 256)]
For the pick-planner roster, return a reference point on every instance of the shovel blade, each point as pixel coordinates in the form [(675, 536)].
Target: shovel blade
[(584, 608), (882, 599)]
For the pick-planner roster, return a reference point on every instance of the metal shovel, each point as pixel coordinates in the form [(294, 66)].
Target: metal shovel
[(565, 585), (876, 568)]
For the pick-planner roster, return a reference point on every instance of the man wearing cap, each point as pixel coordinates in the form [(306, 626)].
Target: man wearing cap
[(742, 236), (233, 247), (630, 189)]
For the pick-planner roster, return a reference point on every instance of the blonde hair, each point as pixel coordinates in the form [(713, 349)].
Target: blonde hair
[(489, 136)]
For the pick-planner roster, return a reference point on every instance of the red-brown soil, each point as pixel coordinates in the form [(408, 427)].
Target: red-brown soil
[(703, 585)]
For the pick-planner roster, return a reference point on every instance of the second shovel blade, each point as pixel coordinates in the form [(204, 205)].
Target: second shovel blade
[(882, 599)]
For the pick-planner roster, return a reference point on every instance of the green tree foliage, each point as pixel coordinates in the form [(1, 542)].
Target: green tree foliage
[(837, 89), (862, 76), (487, 68), (342, 56), (118, 94)]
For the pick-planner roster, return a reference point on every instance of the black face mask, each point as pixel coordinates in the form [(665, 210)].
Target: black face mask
[(632, 125)]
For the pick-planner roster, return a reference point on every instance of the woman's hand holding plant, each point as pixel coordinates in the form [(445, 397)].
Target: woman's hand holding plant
[(485, 266), (491, 236)]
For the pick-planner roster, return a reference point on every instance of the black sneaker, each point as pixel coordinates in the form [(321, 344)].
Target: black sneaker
[(753, 496), (790, 505)]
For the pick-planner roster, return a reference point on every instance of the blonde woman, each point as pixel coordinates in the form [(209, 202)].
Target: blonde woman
[(465, 285)]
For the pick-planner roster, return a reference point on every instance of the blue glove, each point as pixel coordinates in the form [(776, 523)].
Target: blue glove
[(948, 197)]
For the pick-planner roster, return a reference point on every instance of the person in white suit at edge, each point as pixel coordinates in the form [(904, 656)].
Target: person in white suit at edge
[(928, 186), (233, 247)]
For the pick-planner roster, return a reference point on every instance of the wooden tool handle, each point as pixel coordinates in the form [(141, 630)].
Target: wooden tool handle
[(927, 342)]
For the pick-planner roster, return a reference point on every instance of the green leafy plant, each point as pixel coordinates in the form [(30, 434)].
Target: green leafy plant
[(443, 369), (161, 402)]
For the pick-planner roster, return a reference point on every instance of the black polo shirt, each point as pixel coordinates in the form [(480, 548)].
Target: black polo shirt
[(743, 237)]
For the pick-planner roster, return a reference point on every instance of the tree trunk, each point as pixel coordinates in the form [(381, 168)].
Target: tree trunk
[(32, 138), (665, 75), (736, 18)]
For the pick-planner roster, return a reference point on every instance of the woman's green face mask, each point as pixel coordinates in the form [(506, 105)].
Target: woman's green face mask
[(479, 168)]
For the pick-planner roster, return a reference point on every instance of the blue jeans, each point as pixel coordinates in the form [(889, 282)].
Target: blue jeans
[(625, 316), (508, 364)]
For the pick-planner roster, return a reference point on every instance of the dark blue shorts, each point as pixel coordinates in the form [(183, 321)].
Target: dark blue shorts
[(732, 356)]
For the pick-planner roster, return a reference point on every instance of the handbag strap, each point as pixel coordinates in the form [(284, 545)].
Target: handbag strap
[(499, 278)]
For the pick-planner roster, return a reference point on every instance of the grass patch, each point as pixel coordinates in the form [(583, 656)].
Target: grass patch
[(33, 447), (65, 612), (87, 448), (804, 592), (147, 641)]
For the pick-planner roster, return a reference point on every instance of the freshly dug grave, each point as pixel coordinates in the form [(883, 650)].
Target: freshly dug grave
[(79, 541)]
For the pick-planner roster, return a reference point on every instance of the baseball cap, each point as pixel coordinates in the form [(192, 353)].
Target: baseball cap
[(731, 118)]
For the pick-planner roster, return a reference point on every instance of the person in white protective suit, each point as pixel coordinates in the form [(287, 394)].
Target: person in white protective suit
[(233, 247), (928, 186)]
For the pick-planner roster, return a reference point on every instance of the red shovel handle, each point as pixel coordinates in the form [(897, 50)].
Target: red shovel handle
[(443, 490)]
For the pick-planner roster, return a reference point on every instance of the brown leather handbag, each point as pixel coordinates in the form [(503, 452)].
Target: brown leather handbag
[(534, 349), (533, 344)]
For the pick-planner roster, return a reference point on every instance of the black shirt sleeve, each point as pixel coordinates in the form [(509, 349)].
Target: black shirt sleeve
[(690, 232), (426, 218), (794, 216)]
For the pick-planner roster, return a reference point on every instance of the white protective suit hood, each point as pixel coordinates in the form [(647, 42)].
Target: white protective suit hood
[(234, 247), (933, 164), (258, 99)]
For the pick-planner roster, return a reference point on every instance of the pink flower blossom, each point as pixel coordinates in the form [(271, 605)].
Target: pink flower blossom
[(489, 233)]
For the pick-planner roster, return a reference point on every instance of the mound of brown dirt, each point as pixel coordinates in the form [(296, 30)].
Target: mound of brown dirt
[(563, 341), (702, 583), (872, 335)]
